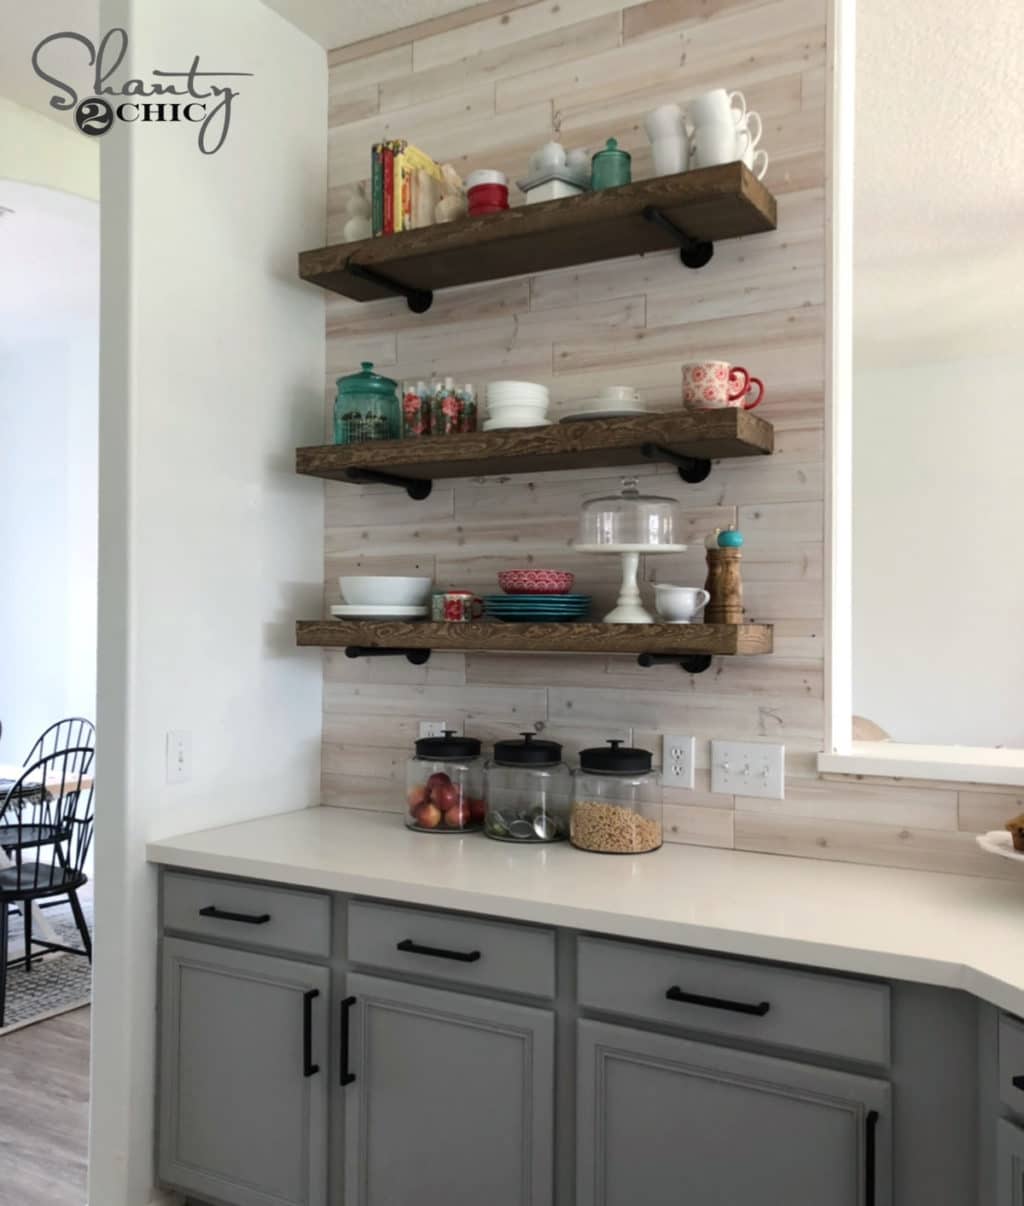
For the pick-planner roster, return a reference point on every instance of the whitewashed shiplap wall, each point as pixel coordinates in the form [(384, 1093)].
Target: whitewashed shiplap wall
[(484, 88)]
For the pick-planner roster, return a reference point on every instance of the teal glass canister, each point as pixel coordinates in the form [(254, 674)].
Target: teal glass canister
[(366, 408), (611, 167)]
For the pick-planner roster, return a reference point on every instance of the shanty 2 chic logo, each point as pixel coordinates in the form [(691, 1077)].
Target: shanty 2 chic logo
[(201, 98)]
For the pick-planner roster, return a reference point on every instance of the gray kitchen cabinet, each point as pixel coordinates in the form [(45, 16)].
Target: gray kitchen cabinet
[(243, 1076), (449, 1097), (664, 1121), (1009, 1165)]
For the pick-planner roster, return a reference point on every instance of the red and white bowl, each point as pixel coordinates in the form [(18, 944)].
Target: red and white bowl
[(536, 582)]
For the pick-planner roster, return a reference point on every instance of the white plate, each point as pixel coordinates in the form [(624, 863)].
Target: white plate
[(620, 412), (999, 841), (367, 611), (494, 425)]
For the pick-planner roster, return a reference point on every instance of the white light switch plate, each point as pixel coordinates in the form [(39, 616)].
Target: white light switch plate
[(179, 756), (748, 768), (677, 760), (436, 728)]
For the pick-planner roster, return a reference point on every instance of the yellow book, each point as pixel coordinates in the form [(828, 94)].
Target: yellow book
[(417, 185)]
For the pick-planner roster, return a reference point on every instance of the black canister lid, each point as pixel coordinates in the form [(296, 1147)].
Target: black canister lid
[(616, 761), (448, 748), (528, 752)]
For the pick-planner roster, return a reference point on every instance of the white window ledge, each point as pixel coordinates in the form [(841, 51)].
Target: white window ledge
[(958, 763)]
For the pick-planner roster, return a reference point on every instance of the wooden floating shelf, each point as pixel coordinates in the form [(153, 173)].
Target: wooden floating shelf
[(677, 640), (597, 443), (691, 210)]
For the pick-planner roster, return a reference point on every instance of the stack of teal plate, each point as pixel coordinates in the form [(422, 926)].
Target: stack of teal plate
[(537, 608)]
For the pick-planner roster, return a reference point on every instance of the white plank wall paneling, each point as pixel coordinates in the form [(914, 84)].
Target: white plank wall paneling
[(484, 87)]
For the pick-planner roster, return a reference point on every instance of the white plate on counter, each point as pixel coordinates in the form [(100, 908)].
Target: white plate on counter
[(999, 841), (368, 611), (495, 425)]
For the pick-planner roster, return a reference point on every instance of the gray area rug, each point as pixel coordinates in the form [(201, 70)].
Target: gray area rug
[(57, 983)]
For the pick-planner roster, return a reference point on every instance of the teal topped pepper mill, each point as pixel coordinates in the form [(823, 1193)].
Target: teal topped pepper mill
[(611, 167)]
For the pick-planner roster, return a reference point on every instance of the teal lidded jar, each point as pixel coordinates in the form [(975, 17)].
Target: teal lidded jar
[(366, 407), (611, 167)]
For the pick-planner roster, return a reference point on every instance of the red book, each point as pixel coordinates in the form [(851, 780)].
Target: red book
[(387, 155)]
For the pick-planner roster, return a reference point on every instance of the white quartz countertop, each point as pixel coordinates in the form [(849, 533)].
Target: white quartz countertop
[(951, 930)]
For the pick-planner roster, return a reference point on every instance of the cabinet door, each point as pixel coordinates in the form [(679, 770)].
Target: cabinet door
[(451, 1101), (665, 1121), (243, 1076), (1010, 1165)]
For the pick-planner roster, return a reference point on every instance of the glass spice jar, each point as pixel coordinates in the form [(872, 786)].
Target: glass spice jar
[(616, 801), (446, 418), (527, 787), (444, 785), (415, 410)]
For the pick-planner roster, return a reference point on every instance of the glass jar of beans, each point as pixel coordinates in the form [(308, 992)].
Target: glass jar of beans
[(616, 801)]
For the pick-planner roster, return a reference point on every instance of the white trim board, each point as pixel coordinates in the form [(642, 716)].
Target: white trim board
[(956, 763)]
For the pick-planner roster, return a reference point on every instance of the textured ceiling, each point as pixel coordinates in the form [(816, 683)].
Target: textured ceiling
[(939, 213)]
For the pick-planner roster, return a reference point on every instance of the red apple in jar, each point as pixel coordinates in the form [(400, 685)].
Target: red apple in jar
[(477, 811), (436, 781), (416, 796), (447, 795), (428, 816), (458, 816)]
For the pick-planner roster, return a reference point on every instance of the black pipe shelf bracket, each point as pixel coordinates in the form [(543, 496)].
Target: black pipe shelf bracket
[(691, 663), (692, 469), (419, 301), (418, 657), (694, 253), (417, 488)]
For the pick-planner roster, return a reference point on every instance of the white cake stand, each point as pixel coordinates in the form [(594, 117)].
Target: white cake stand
[(629, 608)]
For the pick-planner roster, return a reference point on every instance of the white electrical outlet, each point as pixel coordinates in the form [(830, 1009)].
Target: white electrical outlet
[(436, 728), (678, 755), (748, 768), (179, 756)]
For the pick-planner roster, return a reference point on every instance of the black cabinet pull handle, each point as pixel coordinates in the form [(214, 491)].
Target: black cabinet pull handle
[(675, 993), (1018, 1083), (308, 1067), (436, 952), (245, 918), (346, 1076), (870, 1127)]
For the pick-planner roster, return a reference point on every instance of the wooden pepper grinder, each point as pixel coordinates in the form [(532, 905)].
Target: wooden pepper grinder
[(724, 584)]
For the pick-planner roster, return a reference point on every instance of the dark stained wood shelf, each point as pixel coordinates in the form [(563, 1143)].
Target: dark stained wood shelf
[(595, 443), (668, 639), (707, 205)]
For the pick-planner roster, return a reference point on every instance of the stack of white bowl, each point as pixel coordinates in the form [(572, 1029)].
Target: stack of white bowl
[(516, 404)]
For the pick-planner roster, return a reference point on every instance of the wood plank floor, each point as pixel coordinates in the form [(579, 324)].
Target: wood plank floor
[(44, 1112)]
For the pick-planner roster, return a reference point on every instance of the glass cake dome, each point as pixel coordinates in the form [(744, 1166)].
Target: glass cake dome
[(629, 521)]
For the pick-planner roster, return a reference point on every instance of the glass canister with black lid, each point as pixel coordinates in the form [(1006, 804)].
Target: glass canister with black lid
[(616, 801), (444, 783), (527, 787)]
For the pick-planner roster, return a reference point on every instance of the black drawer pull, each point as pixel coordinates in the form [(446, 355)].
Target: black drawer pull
[(870, 1127), (436, 952), (691, 998), (1018, 1083), (346, 1077), (245, 918), (308, 1067)]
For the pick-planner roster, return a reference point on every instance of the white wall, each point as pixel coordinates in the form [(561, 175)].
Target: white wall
[(938, 569), (48, 404), (212, 366)]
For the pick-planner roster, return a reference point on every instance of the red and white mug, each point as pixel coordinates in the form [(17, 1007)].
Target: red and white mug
[(717, 384), (456, 606)]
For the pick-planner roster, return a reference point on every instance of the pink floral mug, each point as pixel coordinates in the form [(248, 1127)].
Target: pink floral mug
[(716, 384)]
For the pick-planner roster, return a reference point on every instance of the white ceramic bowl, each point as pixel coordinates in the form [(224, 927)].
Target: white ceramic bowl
[(619, 393), (373, 590), (513, 416), (527, 387)]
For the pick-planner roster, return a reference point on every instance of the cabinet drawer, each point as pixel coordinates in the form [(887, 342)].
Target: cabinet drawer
[(1011, 1063), (248, 914), (806, 1011), (448, 946)]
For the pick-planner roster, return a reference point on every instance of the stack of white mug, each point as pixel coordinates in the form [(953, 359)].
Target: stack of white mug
[(717, 128)]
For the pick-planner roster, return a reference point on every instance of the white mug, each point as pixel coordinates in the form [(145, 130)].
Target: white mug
[(679, 604), (718, 142), (665, 122), (753, 117), (757, 161), (717, 106)]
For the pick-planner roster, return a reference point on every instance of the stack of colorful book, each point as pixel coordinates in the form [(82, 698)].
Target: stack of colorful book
[(405, 185)]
